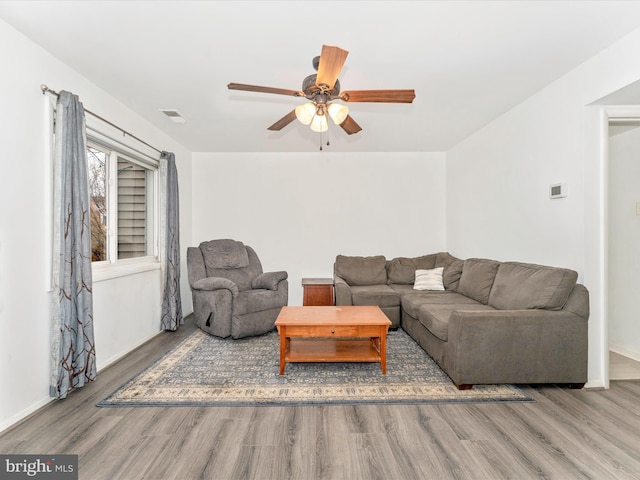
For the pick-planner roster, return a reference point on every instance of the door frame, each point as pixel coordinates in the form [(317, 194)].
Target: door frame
[(607, 114)]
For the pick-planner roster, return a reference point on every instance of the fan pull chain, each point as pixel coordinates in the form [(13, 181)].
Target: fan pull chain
[(328, 142)]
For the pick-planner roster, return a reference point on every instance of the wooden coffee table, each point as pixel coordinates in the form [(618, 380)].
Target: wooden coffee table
[(333, 334)]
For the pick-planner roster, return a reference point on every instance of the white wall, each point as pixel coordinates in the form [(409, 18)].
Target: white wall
[(624, 243), (300, 210), (498, 179), (121, 321)]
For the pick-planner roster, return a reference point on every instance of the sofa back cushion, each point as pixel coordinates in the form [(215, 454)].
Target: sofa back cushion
[(402, 270), (523, 285), (477, 278), (362, 270), (452, 270)]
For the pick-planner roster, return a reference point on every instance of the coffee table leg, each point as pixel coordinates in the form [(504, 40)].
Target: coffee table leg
[(383, 351), (283, 349)]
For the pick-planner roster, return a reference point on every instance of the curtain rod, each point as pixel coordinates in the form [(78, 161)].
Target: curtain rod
[(46, 89)]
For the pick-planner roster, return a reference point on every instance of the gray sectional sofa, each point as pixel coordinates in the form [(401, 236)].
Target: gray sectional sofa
[(490, 323)]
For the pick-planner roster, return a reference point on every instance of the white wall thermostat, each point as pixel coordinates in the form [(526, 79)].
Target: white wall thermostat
[(558, 190)]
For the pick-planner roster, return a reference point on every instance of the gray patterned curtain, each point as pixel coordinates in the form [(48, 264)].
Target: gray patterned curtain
[(73, 355), (171, 304)]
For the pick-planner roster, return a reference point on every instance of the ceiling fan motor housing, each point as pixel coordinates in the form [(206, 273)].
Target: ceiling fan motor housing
[(310, 88)]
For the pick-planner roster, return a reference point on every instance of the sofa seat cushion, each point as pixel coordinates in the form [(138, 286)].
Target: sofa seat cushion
[(412, 302), (380, 295), (402, 289), (477, 278), (435, 318), (362, 270), (519, 286)]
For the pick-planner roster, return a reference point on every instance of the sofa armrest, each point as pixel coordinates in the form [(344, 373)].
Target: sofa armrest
[(268, 280), (537, 346), (342, 291), (216, 283)]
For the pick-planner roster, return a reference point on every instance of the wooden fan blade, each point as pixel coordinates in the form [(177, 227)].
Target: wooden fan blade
[(257, 88), (331, 61), (284, 121), (387, 96), (350, 126)]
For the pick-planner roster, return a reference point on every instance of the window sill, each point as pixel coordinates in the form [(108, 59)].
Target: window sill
[(107, 271)]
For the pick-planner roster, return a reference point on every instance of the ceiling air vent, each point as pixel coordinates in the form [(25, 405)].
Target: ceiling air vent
[(174, 116)]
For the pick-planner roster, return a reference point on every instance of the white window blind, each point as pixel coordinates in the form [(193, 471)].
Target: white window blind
[(132, 210)]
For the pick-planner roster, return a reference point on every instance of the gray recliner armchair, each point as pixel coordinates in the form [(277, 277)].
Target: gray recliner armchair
[(232, 296)]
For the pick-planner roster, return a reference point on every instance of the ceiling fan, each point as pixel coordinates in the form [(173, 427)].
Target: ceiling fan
[(322, 90)]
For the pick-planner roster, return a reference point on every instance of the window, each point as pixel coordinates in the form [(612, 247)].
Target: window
[(123, 199)]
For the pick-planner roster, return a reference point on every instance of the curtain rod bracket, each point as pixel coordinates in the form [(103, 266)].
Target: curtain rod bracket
[(46, 89)]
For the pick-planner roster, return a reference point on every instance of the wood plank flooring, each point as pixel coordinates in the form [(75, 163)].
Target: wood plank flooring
[(566, 434)]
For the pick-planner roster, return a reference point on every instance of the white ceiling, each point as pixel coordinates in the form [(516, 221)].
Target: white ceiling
[(467, 61)]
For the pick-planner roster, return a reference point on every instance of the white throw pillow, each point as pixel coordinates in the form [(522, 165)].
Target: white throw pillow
[(429, 279)]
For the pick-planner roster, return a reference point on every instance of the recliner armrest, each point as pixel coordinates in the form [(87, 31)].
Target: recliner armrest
[(269, 280), (216, 283)]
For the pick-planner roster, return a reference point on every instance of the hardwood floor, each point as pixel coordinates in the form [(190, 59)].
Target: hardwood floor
[(566, 434)]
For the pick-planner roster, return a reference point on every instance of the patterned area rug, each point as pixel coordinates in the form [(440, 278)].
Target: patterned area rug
[(205, 370)]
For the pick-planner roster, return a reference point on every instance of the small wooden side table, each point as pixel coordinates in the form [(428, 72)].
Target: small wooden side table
[(317, 292)]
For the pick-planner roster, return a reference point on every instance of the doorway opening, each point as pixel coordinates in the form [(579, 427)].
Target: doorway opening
[(623, 248)]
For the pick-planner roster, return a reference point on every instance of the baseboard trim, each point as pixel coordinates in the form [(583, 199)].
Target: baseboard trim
[(595, 385), (127, 350), (626, 352), (23, 415)]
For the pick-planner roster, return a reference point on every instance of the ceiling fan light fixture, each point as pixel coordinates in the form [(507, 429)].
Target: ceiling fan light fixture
[(319, 123), (305, 113), (338, 113)]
